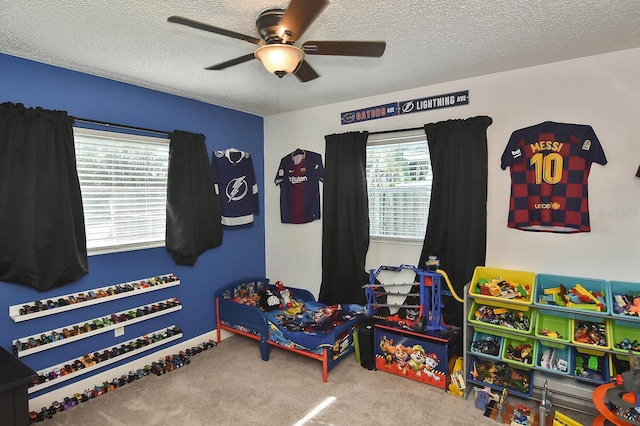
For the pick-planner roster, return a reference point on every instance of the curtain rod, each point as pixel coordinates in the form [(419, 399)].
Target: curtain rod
[(120, 126), (397, 130)]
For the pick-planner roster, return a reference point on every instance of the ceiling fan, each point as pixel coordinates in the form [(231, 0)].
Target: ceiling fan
[(279, 29)]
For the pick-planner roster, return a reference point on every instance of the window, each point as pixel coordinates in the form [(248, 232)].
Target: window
[(399, 178), (123, 179)]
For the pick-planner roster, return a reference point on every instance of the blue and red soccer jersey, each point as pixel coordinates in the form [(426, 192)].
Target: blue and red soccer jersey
[(299, 177), (550, 164), (235, 183)]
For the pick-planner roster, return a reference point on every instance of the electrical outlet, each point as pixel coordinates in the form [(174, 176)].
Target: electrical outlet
[(119, 331)]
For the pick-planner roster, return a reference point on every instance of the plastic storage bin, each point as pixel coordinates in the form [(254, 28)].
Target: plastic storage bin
[(590, 366), (526, 280), (601, 340), (549, 325), (487, 345), (489, 315), (498, 375), (621, 296), (621, 330), (554, 358), (520, 351), (546, 283)]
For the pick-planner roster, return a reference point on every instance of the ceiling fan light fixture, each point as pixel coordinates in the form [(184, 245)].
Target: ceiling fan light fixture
[(280, 59)]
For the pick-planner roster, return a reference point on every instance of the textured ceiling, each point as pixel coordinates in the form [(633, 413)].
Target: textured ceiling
[(428, 42)]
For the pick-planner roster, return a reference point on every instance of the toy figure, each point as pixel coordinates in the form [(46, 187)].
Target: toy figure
[(417, 359), (401, 355), (431, 361), (387, 348)]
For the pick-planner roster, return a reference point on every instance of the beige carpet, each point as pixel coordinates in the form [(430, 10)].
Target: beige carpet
[(230, 385)]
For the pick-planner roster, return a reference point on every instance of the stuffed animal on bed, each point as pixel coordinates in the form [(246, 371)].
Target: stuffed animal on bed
[(269, 301)]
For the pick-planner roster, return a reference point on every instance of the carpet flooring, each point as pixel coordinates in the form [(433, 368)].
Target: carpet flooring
[(230, 385)]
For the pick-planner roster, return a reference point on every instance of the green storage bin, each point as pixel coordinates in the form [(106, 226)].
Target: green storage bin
[(520, 352), (621, 330), (523, 313), (553, 323)]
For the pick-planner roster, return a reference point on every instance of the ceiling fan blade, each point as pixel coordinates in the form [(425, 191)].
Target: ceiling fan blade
[(231, 62), (305, 72), (206, 27), (298, 16), (372, 49)]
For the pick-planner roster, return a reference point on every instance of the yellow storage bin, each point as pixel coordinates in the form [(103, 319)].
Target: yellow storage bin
[(591, 334), (501, 317), (518, 286)]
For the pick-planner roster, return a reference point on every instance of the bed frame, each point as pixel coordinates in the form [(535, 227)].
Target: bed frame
[(254, 319)]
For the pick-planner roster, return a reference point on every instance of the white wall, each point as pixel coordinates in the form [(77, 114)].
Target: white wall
[(602, 91)]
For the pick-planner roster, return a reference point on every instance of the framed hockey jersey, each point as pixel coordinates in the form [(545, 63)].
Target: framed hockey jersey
[(550, 164)]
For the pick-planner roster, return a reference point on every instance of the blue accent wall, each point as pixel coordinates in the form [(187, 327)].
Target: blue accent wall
[(241, 254)]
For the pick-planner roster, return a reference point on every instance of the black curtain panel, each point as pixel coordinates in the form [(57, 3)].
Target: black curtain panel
[(345, 219), (193, 212), (457, 225), (42, 235)]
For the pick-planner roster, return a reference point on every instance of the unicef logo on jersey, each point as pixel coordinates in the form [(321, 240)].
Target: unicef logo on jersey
[(547, 206), (236, 189)]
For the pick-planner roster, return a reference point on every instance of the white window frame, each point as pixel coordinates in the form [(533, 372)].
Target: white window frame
[(124, 226), (377, 219)]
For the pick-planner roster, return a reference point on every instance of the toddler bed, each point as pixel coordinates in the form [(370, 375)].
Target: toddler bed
[(288, 318)]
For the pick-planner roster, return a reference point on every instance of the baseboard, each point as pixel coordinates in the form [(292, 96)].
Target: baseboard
[(46, 399)]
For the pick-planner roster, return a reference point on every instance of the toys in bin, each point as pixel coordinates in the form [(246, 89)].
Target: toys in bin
[(592, 333), (627, 304), (503, 317), (501, 288), (577, 297)]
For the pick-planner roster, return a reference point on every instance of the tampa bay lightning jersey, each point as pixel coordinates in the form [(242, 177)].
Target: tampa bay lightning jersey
[(236, 186)]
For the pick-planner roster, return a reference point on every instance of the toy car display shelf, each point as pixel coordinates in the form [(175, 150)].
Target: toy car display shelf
[(61, 336), (41, 308), (103, 357), (520, 322), (419, 346)]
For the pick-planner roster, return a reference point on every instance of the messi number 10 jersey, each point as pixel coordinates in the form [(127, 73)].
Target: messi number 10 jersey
[(549, 165)]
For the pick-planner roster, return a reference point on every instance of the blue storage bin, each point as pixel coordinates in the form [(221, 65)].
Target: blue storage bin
[(623, 293), (547, 282), (554, 358), (590, 367), (482, 341), (498, 375)]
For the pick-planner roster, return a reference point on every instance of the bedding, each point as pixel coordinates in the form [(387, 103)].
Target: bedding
[(289, 318)]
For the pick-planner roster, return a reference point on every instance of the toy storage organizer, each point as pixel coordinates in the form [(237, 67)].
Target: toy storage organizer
[(573, 328), (424, 352), (49, 339)]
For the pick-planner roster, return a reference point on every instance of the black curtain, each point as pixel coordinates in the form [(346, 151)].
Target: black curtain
[(457, 225), (42, 236), (345, 219), (193, 212)]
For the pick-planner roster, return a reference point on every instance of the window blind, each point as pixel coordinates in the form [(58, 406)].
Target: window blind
[(399, 179), (123, 179)]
